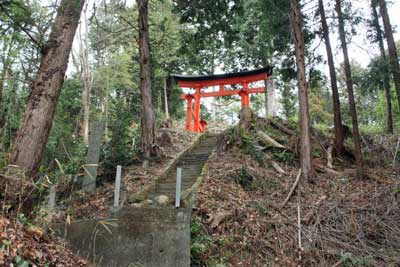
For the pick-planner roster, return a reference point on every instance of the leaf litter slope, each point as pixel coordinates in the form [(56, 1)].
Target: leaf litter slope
[(239, 220)]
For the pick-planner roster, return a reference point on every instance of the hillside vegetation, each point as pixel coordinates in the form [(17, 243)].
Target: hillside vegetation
[(242, 219)]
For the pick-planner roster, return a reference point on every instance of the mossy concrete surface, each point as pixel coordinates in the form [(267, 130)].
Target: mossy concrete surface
[(145, 237)]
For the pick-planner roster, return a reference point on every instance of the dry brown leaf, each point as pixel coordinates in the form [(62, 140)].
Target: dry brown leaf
[(34, 231), (32, 254)]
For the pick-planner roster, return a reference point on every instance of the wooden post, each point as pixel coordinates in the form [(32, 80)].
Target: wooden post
[(178, 187), (117, 187)]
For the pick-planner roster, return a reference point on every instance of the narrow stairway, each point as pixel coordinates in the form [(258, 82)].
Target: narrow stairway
[(191, 162)]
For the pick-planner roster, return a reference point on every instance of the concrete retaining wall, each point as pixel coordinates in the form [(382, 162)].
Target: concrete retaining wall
[(125, 240)]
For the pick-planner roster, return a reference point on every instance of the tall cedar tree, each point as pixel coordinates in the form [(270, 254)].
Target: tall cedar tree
[(38, 117), (393, 57), (147, 113), (386, 78), (304, 118), (350, 90), (337, 116)]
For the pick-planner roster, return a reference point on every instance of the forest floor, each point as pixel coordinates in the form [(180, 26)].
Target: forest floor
[(24, 245), (240, 219)]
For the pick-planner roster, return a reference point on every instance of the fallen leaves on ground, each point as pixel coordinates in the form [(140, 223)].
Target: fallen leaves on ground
[(27, 245), (343, 219)]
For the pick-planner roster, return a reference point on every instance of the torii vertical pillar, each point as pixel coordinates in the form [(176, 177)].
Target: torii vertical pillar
[(244, 95), (189, 112), (196, 114)]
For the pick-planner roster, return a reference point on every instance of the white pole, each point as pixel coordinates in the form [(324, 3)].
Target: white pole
[(178, 187), (117, 186)]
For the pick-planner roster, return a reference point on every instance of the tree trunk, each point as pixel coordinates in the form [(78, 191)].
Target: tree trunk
[(269, 97), (82, 66), (337, 116), (38, 117), (393, 57), (170, 96), (386, 78), (86, 113), (304, 119), (350, 91), (86, 79), (266, 97), (6, 60), (147, 113), (4, 75), (11, 111), (86, 76), (105, 115), (166, 99)]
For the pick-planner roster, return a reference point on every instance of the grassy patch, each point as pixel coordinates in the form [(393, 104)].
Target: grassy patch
[(249, 147), (282, 155)]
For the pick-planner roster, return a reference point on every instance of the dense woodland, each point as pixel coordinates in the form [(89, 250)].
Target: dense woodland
[(69, 68)]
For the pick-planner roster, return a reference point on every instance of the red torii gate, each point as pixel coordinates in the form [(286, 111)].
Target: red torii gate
[(243, 78)]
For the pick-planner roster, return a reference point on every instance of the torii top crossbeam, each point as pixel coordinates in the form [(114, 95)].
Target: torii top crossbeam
[(197, 83)]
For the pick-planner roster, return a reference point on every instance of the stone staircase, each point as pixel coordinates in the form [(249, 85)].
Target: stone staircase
[(146, 236), (191, 162)]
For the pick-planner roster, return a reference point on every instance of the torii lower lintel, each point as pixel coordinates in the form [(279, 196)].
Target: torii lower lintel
[(198, 82)]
